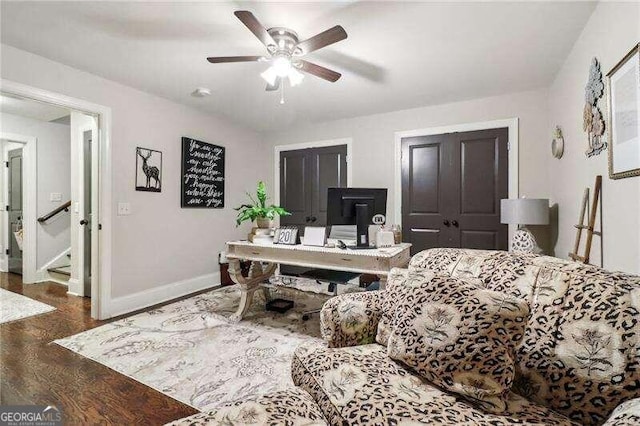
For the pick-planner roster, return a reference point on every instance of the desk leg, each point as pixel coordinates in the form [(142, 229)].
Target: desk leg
[(248, 285)]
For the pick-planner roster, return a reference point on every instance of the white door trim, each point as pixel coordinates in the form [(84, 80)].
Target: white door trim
[(76, 282), (101, 264), (29, 205), (514, 177), (305, 145)]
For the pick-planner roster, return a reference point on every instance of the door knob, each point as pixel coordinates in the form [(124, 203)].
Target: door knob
[(84, 222), (446, 223), (455, 223), (307, 219), (313, 218)]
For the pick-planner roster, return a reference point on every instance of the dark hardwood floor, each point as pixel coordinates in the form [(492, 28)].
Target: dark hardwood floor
[(35, 371)]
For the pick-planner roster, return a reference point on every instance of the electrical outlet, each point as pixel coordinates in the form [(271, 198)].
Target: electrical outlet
[(55, 196), (124, 209)]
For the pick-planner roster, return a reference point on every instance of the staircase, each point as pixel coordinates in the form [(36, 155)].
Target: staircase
[(61, 274)]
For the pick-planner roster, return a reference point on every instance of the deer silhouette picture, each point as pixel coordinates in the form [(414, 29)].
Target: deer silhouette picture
[(151, 172)]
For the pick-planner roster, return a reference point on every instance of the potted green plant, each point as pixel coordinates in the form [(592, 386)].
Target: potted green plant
[(258, 210)]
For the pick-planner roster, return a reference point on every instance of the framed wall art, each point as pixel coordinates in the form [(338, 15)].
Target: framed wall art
[(623, 88), (202, 175), (148, 170)]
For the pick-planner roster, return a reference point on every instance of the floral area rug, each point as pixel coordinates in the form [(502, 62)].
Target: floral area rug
[(191, 352), (14, 306)]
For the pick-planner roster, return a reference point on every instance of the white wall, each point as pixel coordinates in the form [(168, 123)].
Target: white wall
[(159, 243), (373, 138), (53, 175), (610, 33)]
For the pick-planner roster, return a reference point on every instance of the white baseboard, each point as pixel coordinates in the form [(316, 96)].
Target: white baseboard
[(73, 286), (144, 299)]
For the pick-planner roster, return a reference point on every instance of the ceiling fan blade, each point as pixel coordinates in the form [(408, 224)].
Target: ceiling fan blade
[(275, 86), (318, 71), (251, 22), (223, 59), (325, 38)]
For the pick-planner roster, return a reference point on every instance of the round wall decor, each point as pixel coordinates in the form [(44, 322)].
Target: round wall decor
[(557, 145)]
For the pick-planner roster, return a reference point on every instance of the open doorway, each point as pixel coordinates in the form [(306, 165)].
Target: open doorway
[(14, 206), (49, 194), (84, 158), (12, 193), (17, 205)]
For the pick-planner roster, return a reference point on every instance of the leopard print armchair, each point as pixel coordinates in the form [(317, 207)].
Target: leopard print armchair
[(580, 356), (581, 351), (351, 319)]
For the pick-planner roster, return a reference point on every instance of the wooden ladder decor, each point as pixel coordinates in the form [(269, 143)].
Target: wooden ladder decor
[(590, 226)]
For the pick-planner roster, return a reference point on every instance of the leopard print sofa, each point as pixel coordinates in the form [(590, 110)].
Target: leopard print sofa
[(578, 361)]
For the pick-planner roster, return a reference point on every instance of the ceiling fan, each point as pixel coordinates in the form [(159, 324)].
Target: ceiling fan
[(285, 52)]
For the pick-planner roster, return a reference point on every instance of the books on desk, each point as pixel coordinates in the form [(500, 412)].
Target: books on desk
[(261, 236)]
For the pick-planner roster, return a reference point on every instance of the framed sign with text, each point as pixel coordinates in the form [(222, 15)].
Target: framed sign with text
[(202, 175)]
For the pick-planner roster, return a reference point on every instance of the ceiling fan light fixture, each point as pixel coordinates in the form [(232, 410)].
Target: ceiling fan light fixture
[(284, 52), (295, 77), (282, 66), (270, 76)]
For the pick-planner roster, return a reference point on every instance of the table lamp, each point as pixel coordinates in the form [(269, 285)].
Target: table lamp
[(521, 212)]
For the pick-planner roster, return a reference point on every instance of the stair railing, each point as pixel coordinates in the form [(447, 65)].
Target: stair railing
[(52, 213)]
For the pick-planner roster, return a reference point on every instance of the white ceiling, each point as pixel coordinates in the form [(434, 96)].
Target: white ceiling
[(32, 109), (397, 56)]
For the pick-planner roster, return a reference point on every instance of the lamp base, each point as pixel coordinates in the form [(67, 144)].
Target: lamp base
[(524, 242)]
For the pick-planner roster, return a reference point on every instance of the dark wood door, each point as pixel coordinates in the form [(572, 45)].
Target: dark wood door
[(426, 194), (452, 185), (305, 176), (295, 191)]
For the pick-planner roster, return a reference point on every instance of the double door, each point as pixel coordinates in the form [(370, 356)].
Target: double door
[(305, 176), (452, 185)]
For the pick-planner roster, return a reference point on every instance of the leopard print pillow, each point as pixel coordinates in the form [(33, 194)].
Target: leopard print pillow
[(460, 337), (397, 283)]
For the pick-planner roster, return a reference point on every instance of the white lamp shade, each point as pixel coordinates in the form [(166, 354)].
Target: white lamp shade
[(525, 211)]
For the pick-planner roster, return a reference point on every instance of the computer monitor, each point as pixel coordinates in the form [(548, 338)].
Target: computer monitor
[(356, 206)]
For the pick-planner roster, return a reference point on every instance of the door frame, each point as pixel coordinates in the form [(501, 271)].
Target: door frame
[(102, 227), (29, 205), (514, 176), (306, 145)]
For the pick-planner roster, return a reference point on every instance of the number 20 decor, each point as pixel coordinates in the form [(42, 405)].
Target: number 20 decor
[(286, 235)]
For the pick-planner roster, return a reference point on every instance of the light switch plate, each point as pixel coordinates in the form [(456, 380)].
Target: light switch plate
[(124, 209), (55, 196)]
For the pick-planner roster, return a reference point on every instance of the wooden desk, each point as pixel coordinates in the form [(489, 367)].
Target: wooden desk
[(265, 259)]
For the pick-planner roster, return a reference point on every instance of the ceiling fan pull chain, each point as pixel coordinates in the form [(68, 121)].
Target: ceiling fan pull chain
[(282, 93)]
